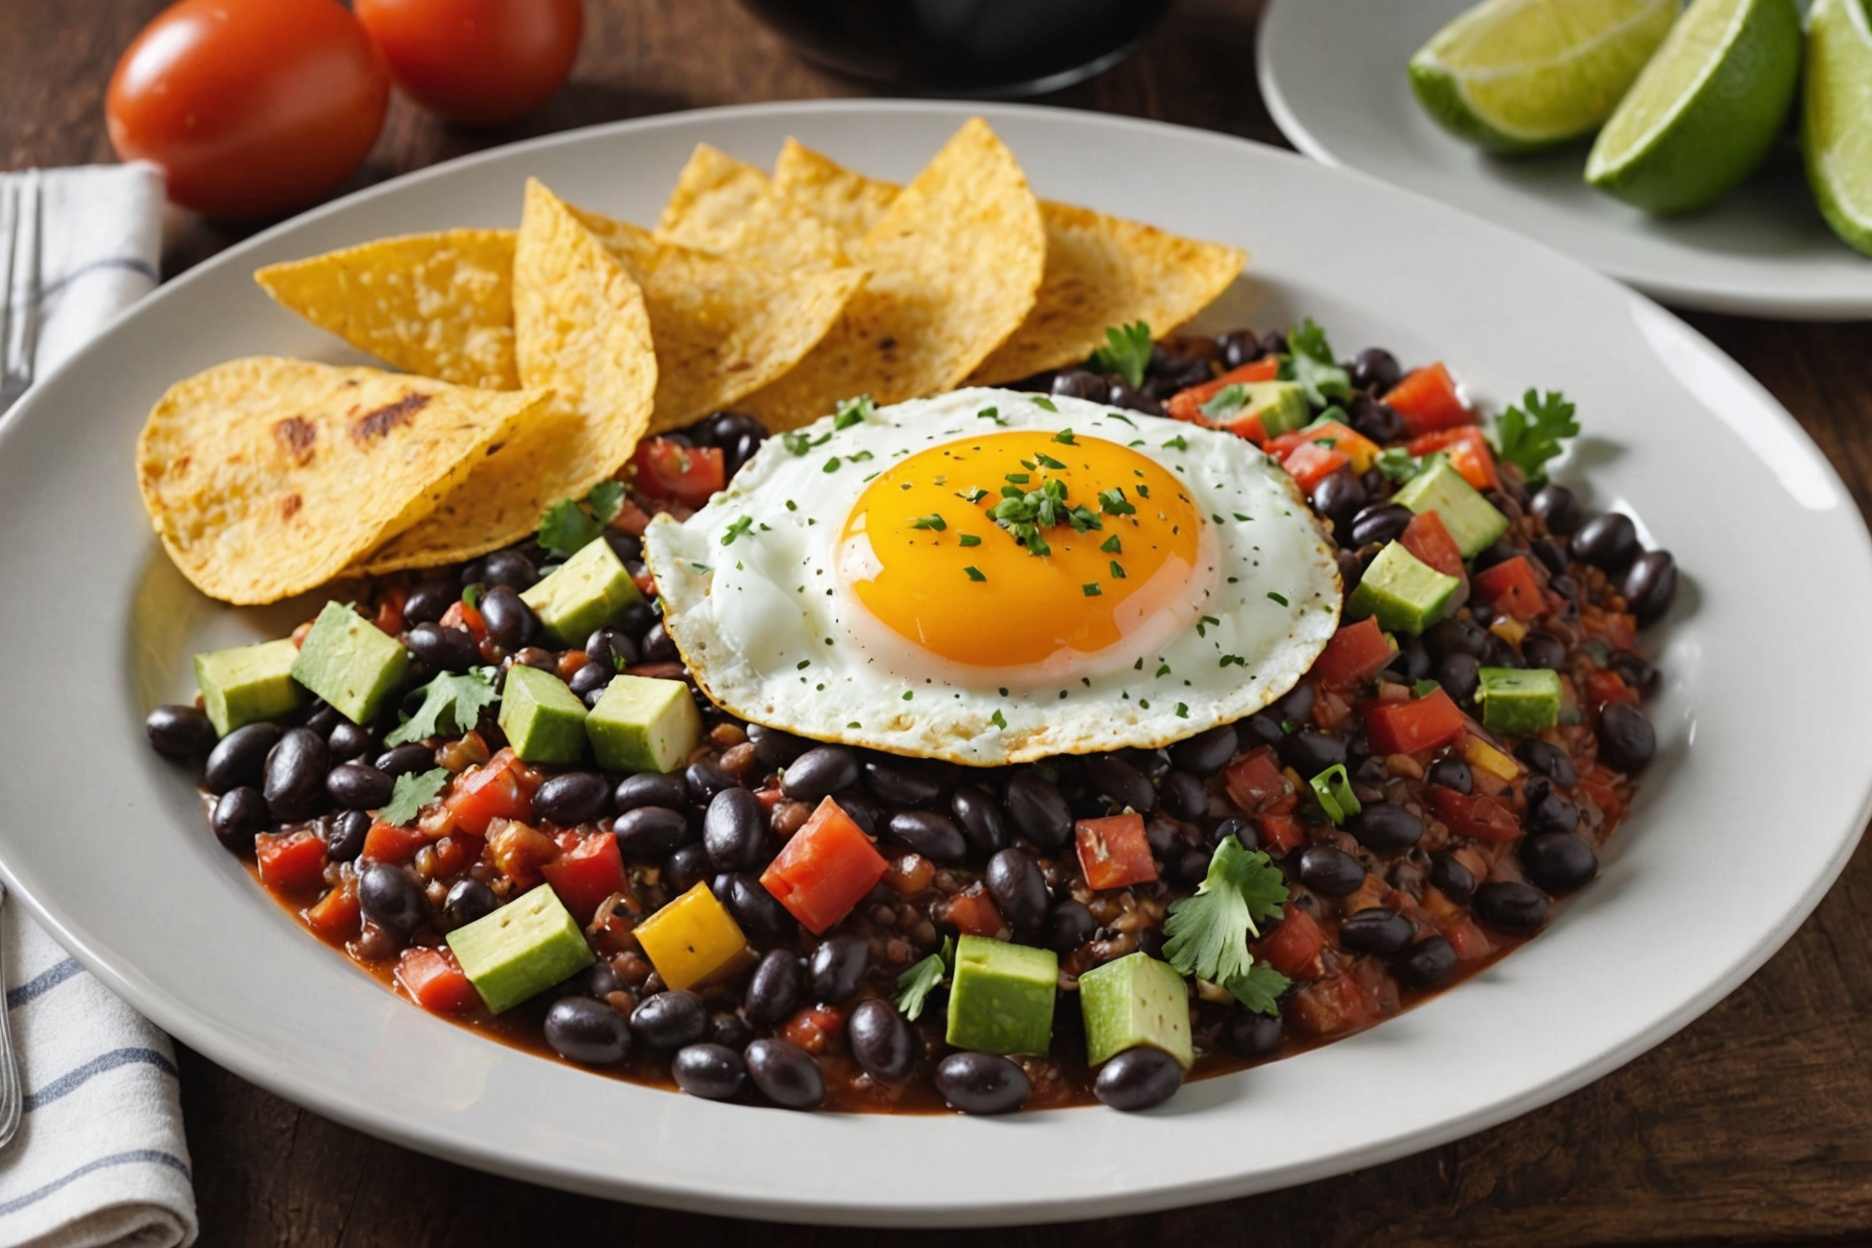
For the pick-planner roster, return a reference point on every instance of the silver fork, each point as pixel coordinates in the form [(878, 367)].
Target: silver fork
[(19, 314), (9, 1062)]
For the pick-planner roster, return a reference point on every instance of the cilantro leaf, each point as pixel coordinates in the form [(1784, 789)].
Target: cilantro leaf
[(569, 526), (799, 443), (451, 703), (1309, 361), (1397, 464), (1260, 988), (1530, 435), (1227, 401), (605, 501), (413, 790), (923, 978), (1207, 934), (1126, 352), (853, 411)]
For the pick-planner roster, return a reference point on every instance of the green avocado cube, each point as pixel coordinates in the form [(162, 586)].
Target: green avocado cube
[(521, 949), (1519, 701), (1001, 996), (1281, 406), (1471, 519), (642, 723), (350, 662), (543, 719), (1132, 1002), (247, 683), (1405, 593), (585, 593)]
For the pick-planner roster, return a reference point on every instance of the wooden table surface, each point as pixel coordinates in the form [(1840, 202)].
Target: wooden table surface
[(1754, 1124)]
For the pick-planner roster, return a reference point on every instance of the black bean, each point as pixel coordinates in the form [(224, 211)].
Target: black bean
[(1456, 636), (900, 783), (344, 834), (590, 1032), (390, 897), (1239, 347), (1252, 1034), (1207, 752), (1068, 926), (611, 647), (1460, 675), (1557, 508), (1552, 813), (467, 900), (1019, 890), (1138, 1079), (704, 780), (982, 1083), (756, 910), (1377, 421), (735, 831), (837, 967), (1549, 760), (406, 758), (1559, 862), (1261, 728), (1386, 827), (1339, 496), (1309, 752), (323, 718), (713, 1072), (1427, 963), (686, 868), (1077, 383), (650, 788), (1114, 778), (1039, 810), (669, 1020), (1544, 650), (637, 617), (775, 988), (1330, 872), (537, 656), (1635, 670), (657, 646), (510, 568), (1296, 705), (861, 810), (729, 1029), (1240, 829), (934, 836), (429, 600), (347, 741), (510, 622), (1455, 881), (591, 678), (1122, 395), (737, 452), (1511, 904), (358, 786), (820, 772), (786, 1074), (646, 833), (1626, 738), (1375, 368), (882, 1043), (1550, 553), (1499, 552), (1163, 836), (1608, 541), (1452, 773), (239, 814), (1501, 654), (572, 797), (296, 769), (445, 649), (774, 748), (240, 757), (1380, 523), (979, 816), (1183, 795), (1376, 930), (1412, 661), (1650, 585), (179, 732)]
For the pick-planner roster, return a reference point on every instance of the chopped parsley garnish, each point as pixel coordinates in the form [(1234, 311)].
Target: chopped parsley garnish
[(1114, 503), (1530, 435), (923, 978), (991, 413), (1047, 461), (1203, 623), (909, 694), (853, 411), (974, 494), (1233, 659), (1024, 513), (1111, 545), (1310, 362), (1424, 688), (412, 792), (832, 465), (1226, 402), (1397, 464), (743, 527), (1182, 710), (799, 443), (1163, 670), (968, 539), (568, 526), (932, 521), (1178, 443), (975, 573), (451, 704), (1126, 352), (1090, 589), (1044, 404), (1117, 570), (859, 457), (1017, 478), (998, 719), (1276, 597), (1065, 437), (1206, 935)]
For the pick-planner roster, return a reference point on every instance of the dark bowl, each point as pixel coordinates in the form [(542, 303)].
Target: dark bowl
[(963, 47)]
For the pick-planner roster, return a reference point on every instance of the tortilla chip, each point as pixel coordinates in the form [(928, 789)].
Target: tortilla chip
[(265, 477), (1100, 270), (723, 205), (954, 263), (580, 330), (436, 304)]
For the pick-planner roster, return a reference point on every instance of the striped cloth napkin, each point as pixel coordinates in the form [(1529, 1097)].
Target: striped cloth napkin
[(100, 1157)]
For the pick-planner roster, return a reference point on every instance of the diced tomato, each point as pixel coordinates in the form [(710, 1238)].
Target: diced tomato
[(1450, 919), (769, 797), (972, 912), (434, 981), (1113, 852), (1474, 815), (1280, 833), (814, 1028), (1356, 653), (1310, 463), (1422, 724), (386, 842), (336, 916), (1468, 450), (688, 474), (454, 853), (1187, 404), (1333, 1007), (461, 615), (1601, 785), (520, 851), (910, 874), (1359, 449), (1511, 586), (390, 610), (491, 791), (1254, 780), (1293, 948), (1427, 401), (1427, 538), (290, 861), (587, 875), (825, 869), (631, 519), (1603, 686)]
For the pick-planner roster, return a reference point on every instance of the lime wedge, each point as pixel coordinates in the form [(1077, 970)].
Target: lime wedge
[(1836, 117), (1521, 75), (1706, 109)]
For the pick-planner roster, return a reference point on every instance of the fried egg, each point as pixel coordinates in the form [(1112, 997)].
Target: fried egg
[(992, 576)]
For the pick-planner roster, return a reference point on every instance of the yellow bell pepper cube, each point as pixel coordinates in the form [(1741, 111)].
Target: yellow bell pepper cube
[(692, 939), (1479, 753)]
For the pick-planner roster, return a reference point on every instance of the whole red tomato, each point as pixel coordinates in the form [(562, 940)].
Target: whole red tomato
[(476, 60), (252, 107)]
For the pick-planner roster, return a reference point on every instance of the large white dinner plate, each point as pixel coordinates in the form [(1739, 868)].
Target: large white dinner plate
[(1332, 72), (1757, 797)]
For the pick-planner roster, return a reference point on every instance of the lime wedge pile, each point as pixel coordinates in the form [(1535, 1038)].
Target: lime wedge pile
[(1836, 117)]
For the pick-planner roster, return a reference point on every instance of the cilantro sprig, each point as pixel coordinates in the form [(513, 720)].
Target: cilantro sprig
[(1126, 352), (1309, 361), (1207, 934), (570, 525), (413, 791), (1530, 434), (451, 703), (915, 985)]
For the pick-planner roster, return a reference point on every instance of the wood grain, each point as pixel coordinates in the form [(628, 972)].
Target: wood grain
[(1753, 1125)]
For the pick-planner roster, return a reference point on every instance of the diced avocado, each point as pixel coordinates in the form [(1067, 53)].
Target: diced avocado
[(586, 593), (247, 683), (1471, 519), (544, 721), (350, 662), (692, 939), (1001, 996), (521, 949), (1519, 701), (1135, 1001), (1405, 593), (1280, 405), (644, 724)]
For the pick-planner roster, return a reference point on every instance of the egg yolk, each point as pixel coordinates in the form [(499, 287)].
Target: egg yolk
[(1011, 548)]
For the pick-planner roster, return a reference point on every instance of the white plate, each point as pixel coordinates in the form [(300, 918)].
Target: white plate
[(1757, 798), (1332, 72)]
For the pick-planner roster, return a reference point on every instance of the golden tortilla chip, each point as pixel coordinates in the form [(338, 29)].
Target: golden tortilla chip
[(436, 304), (723, 205), (265, 477), (953, 266), (1100, 270), (580, 330)]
